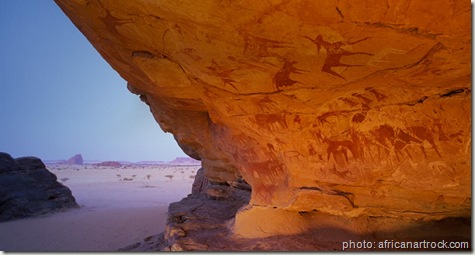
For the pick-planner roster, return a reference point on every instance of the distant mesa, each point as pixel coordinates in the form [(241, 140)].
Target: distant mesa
[(108, 164), (28, 189), (74, 160), (184, 161)]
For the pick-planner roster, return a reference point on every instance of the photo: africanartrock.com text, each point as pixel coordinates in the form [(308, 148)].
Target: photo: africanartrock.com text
[(404, 245)]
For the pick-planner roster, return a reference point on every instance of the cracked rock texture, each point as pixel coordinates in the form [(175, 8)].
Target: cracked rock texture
[(342, 108)]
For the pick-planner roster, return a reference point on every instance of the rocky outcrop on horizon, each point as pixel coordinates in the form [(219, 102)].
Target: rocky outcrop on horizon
[(354, 113), (108, 164), (184, 161), (74, 160), (28, 189), (149, 162)]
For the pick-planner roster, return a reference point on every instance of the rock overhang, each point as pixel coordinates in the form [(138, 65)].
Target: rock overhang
[(351, 109)]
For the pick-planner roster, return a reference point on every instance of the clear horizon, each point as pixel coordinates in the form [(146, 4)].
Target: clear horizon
[(60, 98), (118, 160)]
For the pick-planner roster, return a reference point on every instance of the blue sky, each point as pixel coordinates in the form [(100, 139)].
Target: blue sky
[(60, 98)]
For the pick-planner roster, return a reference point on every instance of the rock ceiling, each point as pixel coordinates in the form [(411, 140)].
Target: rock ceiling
[(350, 108)]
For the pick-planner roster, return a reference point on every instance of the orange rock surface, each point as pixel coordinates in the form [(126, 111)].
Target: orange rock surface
[(342, 108)]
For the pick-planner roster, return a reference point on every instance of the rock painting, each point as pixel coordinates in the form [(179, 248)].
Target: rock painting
[(380, 142), (271, 122), (268, 176), (378, 95), (344, 174), (393, 140), (291, 155), (364, 100), (335, 53), (282, 78), (222, 73), (298, 121), (260, 47), (266, 104)]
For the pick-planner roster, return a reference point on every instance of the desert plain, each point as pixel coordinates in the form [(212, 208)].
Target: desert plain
[(118, 207)]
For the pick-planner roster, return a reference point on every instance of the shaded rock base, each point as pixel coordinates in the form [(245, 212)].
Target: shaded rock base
[(202, 230), (207, 234), (204, 220)]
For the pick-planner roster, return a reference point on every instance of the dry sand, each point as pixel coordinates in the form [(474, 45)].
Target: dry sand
[(119, 206)]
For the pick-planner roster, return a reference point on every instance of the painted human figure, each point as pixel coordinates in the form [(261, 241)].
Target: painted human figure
[(335, 53), (282, 78)]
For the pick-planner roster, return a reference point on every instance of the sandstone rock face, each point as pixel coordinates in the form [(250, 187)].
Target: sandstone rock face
[(342, 108), (27, 189)]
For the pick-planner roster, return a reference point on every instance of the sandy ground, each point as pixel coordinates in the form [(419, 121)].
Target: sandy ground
[(118, 207)]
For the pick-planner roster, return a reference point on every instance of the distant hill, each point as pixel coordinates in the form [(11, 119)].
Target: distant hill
[(75, 160), (108, 164), (78, 160), (150, 163), (184, 161)]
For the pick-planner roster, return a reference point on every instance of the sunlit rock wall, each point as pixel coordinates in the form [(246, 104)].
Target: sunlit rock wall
[(347, 108)]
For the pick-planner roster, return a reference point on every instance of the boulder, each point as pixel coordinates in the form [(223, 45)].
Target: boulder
[(28, 189)]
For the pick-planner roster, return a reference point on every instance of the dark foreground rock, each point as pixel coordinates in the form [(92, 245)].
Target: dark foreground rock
[(28, 189)]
